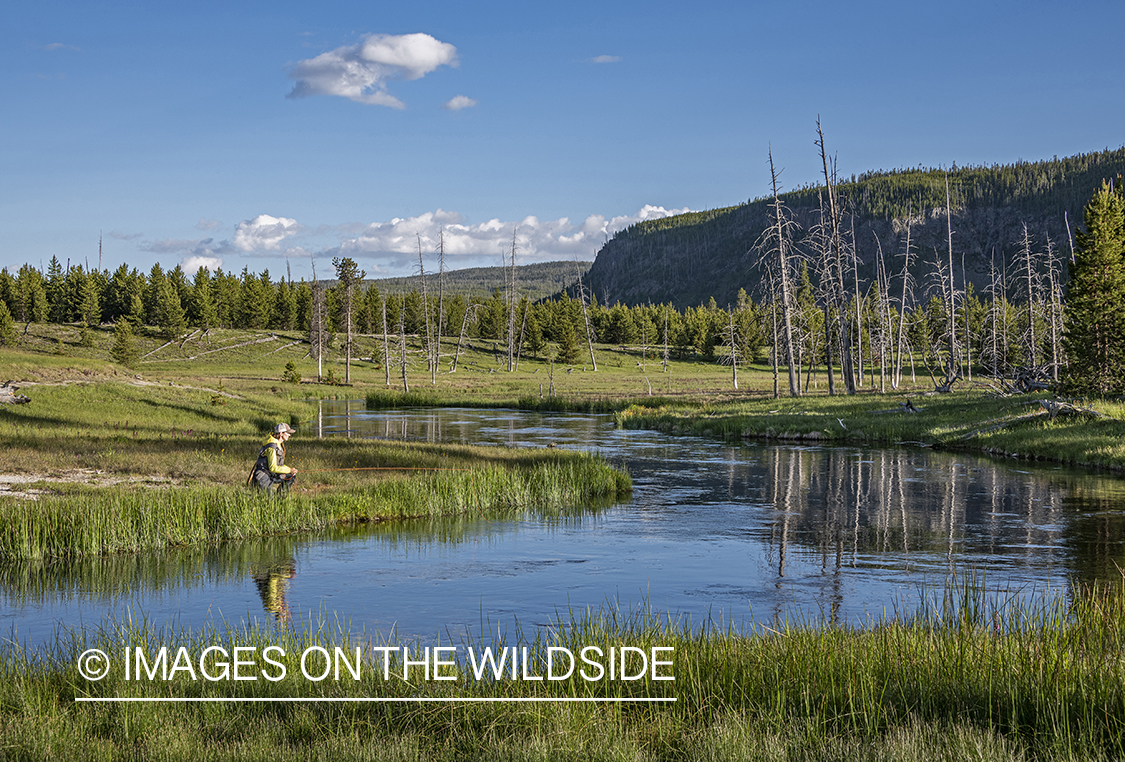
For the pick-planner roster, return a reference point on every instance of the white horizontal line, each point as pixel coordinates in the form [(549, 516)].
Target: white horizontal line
[(390, 700)]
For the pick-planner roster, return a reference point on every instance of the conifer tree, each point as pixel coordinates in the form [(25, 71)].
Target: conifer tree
[(8, 336), (1095, 322), (124, 349)]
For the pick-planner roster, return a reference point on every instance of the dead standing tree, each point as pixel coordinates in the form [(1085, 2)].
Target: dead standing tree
[(318, 328), (512, 301), (1029, 274), (778, 241), (954, 370), (428, 349), (834, 265), (441, 303), (590, 338)]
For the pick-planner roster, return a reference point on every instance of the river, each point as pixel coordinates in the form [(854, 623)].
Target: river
[(714, 532)]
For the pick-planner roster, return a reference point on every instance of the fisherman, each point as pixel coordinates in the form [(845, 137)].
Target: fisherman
[(270, 472)]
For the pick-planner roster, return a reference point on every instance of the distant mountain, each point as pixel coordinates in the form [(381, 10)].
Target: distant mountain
[(535, 281), (687, 259)]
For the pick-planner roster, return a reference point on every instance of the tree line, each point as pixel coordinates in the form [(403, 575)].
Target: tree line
[(810, 316)]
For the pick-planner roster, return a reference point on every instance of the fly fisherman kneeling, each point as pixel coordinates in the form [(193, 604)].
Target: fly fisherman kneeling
[(270, 471)]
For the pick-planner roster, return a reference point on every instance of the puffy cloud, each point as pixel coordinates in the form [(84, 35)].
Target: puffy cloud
[(192, 264), (458, 102), (605, 59), (206, 224), (484, 243), (264, 232), (360, 72)]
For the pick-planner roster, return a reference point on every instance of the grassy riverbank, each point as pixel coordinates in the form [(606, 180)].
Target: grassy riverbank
[(100, 464), (1016, 426), (958, 680), (93, 521)]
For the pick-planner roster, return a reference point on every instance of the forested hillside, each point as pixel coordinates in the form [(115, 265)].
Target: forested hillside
[(536, 281), (687, 259)]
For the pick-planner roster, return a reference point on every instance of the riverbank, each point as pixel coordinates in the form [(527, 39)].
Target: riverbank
[(958, 679), (115, 466), (1020, 427)]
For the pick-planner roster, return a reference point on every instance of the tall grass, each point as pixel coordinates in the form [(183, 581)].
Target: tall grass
[(587, 403), (97, 522), (965, 677)]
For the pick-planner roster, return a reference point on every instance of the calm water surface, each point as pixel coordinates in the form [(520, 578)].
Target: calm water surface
[(737, 533)]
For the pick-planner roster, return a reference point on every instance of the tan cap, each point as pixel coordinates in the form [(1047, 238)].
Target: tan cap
[(283, 428)]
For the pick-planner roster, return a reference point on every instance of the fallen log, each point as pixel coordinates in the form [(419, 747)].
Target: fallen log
[(1056, 407)]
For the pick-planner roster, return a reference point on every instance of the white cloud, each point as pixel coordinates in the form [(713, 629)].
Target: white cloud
[(192, 264), (60, 46), (206, 224), (264, 232), (123, 236), (605, 59), (360, 72), (459, 102), (470, 245)]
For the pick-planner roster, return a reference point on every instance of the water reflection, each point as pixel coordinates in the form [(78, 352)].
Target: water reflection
[(738, 532)]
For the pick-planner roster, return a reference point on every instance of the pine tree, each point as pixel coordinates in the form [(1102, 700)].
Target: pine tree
[(568, 345), (170, 313), (8, 336), (1095, 322), (124, 349)]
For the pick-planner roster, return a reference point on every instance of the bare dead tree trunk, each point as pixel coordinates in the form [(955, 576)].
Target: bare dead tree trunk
[(773, 349), (666, 339), (858, 302), (779, 224), (441, 301), (386, 342), (461, 336), (1069, 237), (884, 313), (954, 360), (426, 315), (512, 307), (402, 347), (903, 305), (1031, 277), (586, 317), (734, 350), (317, 343), (965, 310), (523, 332), (996, 287), (1055, 310), (835, 216)]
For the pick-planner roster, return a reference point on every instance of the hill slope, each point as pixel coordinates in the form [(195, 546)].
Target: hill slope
[(687, 259), (535, 281)]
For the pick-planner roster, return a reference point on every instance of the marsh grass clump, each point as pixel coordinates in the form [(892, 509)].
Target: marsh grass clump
[(91, 521), (969, 675)]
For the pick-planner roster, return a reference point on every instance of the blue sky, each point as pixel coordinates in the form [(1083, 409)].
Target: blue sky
[(265, 134)]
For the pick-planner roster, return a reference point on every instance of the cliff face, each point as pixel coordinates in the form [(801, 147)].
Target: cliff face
[(689, 259)]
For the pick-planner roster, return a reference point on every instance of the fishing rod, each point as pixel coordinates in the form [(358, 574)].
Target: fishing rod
[(379, 468)]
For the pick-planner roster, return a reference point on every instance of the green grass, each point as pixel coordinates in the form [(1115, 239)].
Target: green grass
[(94, 521), (968, 676)]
